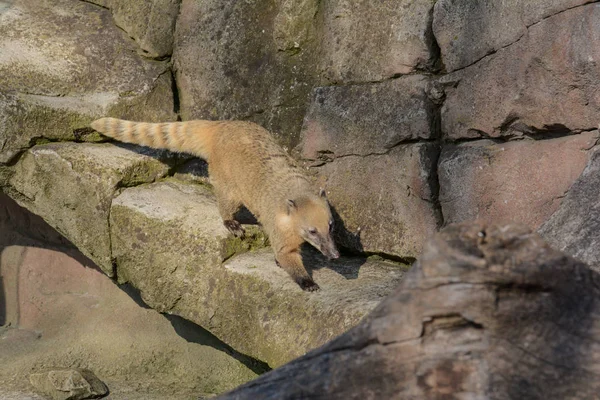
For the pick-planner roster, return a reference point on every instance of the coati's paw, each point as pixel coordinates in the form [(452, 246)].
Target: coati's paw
[(308, 285), (234, 227)]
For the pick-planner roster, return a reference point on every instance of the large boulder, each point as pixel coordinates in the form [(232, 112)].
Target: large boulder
[(64, 63), (467, 31), (545, 83), (72, 185), (169, 241), (488, 312), (522, 181), (575, 227)]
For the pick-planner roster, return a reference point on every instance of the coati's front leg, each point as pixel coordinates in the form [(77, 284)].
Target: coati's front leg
[(227, 209), (291, 262)]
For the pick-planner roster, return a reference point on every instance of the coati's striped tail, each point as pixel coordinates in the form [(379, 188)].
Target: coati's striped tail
[(190, 137)]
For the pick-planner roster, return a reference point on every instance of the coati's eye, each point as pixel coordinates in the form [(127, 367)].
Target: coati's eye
[(331, 225), (312, 231)]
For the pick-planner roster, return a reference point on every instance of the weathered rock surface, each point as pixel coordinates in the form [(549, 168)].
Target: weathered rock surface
[(488, 312), (371, 41), (69, 384), (257, 61), (151, 23), (64, 63), (260, 60), (544, 83), (168, 240), (385, 202), (575, 227), (467, 31), (71, 186), (522, 181), (367, 119)]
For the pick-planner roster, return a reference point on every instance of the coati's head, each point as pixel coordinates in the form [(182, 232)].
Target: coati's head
[(311, 217)]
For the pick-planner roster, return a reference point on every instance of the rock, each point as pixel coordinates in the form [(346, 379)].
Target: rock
[(370, 41), (72, 185), (385, 203), (69, 384), (52, 89), (258, 62), (545, 83), (169, 241), (366, 119), (575, 227), (488, 312), (467, 31), (151, 23), (522, 181)]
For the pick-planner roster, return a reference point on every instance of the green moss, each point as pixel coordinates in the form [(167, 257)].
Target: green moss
[(254, 239)]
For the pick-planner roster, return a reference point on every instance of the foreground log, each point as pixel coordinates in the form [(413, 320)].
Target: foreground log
[(488, 312)]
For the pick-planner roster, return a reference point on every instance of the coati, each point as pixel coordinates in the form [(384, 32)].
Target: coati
[(247, 167)]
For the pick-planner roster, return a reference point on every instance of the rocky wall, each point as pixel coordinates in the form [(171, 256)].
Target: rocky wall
[(411, 114)]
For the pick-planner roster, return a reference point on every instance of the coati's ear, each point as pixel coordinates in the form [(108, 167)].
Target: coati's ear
[(322, 192), (291, 206)]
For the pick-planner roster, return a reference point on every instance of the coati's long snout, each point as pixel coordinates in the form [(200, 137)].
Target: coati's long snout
[(313, 218)]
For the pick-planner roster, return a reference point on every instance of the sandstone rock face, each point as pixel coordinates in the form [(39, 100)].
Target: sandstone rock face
[(522, 181), (368, 41), (169, 241), (151, 23), (575, 227), (385, 202), (543, 83), (367, 119), (467, 31), (260, 60), (246, 60), (72, 186), (64, 63)]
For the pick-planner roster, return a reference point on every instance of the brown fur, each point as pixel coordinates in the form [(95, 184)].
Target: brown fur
[(246, 167)]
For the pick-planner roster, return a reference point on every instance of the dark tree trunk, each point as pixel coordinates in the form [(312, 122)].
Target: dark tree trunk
[(488, 312)]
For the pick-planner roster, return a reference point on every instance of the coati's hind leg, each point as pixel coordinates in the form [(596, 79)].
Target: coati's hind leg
[(291, 262), (227, 209)]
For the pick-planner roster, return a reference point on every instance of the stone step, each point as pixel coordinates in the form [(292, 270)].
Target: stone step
[(167, 239)]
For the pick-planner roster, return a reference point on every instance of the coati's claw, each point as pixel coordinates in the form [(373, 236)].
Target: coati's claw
[(309, 285), (234, 227)]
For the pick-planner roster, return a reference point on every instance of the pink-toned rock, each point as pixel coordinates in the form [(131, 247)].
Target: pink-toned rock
[(367, 119), (522, 181), (497, 24), (365, 40), (545, 82), (388, 197)]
